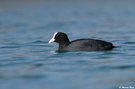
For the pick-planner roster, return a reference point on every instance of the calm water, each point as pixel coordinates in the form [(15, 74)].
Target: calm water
[(27, 61)]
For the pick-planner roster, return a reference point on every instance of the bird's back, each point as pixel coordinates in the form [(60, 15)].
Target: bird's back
[(89, 45)]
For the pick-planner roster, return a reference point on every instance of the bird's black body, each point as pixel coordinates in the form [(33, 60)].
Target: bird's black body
[(81, 44)]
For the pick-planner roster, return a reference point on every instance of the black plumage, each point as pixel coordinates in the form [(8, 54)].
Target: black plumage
[(80, 44)]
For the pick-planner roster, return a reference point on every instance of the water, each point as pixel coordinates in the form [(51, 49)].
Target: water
[(27, 61)]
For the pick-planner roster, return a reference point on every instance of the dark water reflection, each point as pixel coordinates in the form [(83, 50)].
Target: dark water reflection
[(27, 61)]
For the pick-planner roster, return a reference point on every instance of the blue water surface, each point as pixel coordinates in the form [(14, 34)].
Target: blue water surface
[(27, 61)]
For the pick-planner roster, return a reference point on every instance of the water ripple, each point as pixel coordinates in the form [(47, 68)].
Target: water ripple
[(123, 67)]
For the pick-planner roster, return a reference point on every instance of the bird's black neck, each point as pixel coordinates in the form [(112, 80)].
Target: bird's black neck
[(63, 45)]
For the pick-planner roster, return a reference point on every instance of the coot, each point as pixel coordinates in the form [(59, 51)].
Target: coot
[(80, 44)]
